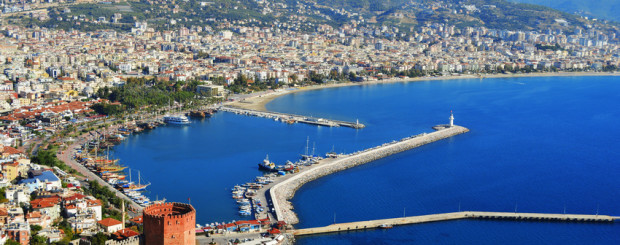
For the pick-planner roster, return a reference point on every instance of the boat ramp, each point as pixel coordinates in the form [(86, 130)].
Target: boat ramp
[(292, 118)]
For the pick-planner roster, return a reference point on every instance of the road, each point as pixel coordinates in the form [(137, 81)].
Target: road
[(226, 239), (67, 158)]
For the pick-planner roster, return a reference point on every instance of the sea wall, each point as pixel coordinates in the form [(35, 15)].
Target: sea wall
[(284, 191)]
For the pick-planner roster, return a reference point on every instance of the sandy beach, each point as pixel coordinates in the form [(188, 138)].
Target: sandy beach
[(258, 102)]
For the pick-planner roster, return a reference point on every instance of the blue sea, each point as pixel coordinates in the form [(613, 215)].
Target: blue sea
[(545, 144)]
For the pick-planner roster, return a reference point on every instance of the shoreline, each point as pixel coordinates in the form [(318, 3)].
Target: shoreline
[(260, 101)]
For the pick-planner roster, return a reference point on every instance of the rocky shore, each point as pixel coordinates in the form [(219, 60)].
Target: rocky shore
[(284, 191)]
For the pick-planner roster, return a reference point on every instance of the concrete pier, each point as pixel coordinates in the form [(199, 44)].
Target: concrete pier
[(372, 224), (285, 117), (282, 191)]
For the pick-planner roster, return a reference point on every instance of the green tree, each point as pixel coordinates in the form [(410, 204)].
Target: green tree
[(34, 229), (38, 240), (11, 242), (99, 239)]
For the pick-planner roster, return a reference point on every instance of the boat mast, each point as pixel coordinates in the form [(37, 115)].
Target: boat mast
[(313, 148), (307, 143)]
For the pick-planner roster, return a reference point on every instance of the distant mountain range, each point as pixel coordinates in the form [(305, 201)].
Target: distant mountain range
[(602, 9)]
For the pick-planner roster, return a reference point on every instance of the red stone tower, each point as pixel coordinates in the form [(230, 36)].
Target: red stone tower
[(170, 224)]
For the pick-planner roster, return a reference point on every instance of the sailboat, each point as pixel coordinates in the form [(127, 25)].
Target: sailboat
[(305, 156), (135, 187), (332, 154)]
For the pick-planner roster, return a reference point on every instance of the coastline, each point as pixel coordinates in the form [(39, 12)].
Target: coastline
[(258, 102)]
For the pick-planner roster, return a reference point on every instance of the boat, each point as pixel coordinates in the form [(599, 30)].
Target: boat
[(107, 169), (289, 166), (385, 226), (135, 187), (200, 113), (178, 119), (267, 165)]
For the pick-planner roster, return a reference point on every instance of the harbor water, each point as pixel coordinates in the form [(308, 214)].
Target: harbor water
[(545, 145)]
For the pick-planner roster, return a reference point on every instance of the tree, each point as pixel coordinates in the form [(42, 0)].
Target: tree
[(99, 239), (34, 229), (38, 240), (11, 242)]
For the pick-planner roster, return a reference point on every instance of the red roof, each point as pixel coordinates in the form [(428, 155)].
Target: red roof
[(251, 222), (107, 222), (11, 150), (124, 233), (76, 196), (137, 219), (45, 202)]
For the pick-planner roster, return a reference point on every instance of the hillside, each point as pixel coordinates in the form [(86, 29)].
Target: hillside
[(308, 15), (602, 9)]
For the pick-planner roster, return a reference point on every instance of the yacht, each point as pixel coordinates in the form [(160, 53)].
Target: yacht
[(178, 119)]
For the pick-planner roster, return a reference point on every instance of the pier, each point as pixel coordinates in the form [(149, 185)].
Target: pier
[(373, 224), (292, 118), (281, 191)]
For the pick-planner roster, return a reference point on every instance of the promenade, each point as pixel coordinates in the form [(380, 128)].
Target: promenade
[(67, 157), (372, 224), (284, 189)]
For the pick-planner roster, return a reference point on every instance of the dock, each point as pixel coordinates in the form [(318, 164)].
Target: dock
[(292, 118), (373, 224), (281, 191)]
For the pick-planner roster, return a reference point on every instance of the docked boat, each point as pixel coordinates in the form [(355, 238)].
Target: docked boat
[(178, 119), (385, 226), (108, 169), (131, 186), (289, 166), (267, 165), (136, 187)]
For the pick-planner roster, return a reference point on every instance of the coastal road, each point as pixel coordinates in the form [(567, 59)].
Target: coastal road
[(256, 238), (67, 158)]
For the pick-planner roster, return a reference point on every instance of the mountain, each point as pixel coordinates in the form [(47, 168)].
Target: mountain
[(310, 15), (602, 9)]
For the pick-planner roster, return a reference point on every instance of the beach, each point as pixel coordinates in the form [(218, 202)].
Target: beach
[(259, 101)]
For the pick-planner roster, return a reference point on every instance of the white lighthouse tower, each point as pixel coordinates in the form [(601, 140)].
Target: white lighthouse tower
[(451, 119)]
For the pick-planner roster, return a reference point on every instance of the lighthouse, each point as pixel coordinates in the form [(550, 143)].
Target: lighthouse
[(451, 119)]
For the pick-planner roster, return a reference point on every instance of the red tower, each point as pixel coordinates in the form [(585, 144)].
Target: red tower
[(170, 224)]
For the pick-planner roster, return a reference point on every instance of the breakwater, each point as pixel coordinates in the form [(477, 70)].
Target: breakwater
[(283, 191), (292, 118), (372, 224)]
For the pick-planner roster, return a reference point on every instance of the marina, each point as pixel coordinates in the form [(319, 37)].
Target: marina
[(281, 192), (92, 156), (292, 118), (281, 181)]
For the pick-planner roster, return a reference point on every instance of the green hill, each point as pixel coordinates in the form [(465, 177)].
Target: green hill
[(306, 15), (603, 9)]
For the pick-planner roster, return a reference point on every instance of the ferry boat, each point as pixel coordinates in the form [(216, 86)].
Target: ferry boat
[(178, 119), (267, 165)]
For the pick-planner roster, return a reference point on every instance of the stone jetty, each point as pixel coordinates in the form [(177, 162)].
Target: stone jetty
[(281, 192), (540, 217)]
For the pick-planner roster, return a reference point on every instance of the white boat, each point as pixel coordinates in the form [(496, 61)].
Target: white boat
[(177, 119)]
